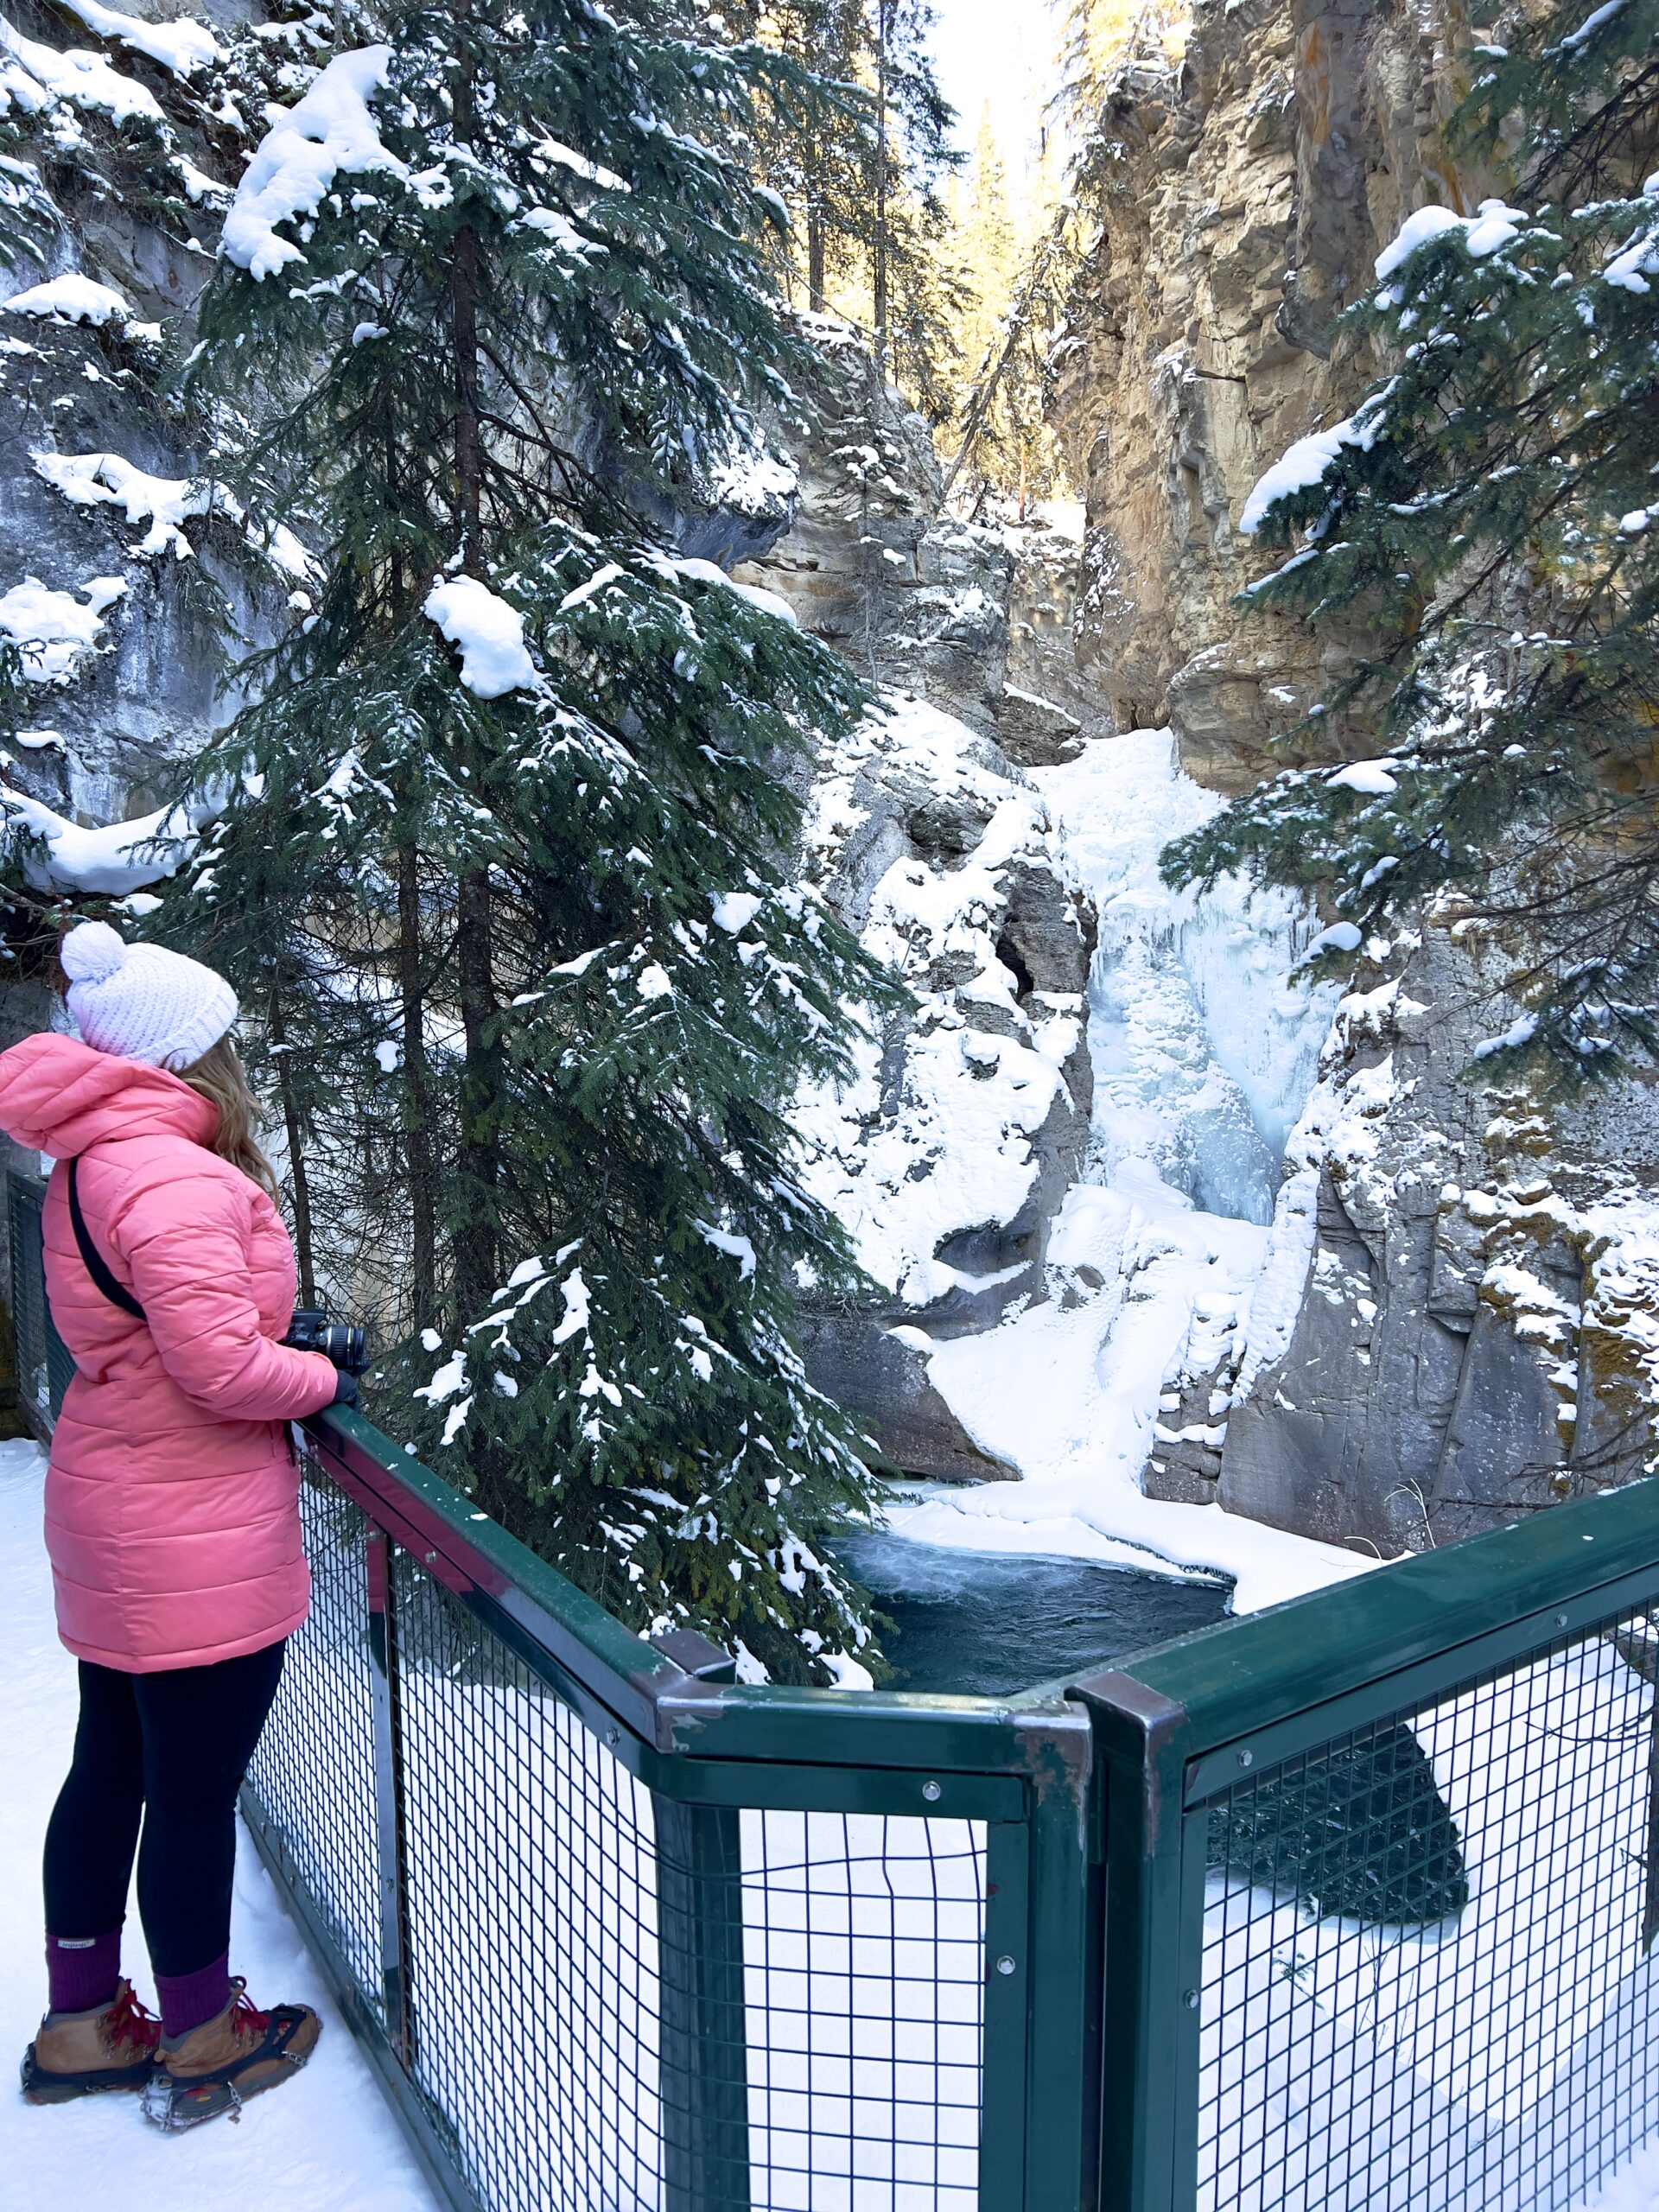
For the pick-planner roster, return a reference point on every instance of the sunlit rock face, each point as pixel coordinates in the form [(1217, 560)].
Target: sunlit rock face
[(1242, 199)]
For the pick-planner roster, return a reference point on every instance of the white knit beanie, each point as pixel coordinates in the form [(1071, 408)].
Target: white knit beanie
[(140, 1001)]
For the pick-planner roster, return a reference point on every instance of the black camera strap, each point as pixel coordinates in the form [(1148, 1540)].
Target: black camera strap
[(118, 1294)]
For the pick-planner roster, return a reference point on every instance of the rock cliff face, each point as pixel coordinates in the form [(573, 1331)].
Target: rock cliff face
[(1242, 199), (134, 690), (949, 1157), (1455, 1324)]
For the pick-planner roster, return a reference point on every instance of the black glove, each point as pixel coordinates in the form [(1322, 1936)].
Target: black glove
[(346, 1390)]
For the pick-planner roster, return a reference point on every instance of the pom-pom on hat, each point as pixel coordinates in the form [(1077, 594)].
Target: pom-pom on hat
[(142, 1002)]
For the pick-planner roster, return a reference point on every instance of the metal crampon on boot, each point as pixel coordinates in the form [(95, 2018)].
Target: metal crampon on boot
[(86, 2054), (213, 2069)]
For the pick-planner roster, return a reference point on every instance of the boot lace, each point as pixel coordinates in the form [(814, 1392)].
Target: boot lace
[(247, 2021), (129, 2021)]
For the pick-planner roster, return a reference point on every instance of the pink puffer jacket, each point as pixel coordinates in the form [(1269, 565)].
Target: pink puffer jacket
[(172, 1500)]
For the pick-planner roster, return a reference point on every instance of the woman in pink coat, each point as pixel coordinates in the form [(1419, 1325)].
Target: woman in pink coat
[(172, 1516)]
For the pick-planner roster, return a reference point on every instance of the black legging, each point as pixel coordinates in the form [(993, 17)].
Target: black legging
[(173, 1747)]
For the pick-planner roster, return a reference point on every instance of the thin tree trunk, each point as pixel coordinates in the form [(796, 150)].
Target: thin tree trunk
[(469, 444), (418, 1109), (475, 1236), (304, 1249), (475, 1232), (420, 1165), (814, 293), (880, 284)]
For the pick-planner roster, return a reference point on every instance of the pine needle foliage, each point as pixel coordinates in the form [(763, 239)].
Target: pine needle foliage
[(510, 897), (862, 183), (1488, 522)]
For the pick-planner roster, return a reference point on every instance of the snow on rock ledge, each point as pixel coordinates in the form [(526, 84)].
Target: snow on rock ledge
[(55, 633), (934, 1155), (949, 1153), (69, 298)]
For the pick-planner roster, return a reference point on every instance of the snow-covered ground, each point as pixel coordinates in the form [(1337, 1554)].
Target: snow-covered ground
[(1486, 2064), (324, 2143), (1203, 1052)]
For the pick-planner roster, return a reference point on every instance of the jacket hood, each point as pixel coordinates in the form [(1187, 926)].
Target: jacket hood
[(58, 1096)]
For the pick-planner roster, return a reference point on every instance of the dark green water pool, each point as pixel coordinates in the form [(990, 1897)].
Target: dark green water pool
[(988, 1623), (1357, 1830)]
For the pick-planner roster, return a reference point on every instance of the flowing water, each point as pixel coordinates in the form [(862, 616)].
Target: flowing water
[(989, 1623)]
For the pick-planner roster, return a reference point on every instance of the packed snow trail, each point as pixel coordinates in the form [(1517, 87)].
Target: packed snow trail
[(323, 2143), (1203, 1052)]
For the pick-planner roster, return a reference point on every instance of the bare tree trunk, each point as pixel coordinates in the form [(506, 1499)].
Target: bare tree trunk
[(815, 292), (475, 1236), (469, 443), (304, 1247), (418, 1107), (475, 1233), (880, 278)]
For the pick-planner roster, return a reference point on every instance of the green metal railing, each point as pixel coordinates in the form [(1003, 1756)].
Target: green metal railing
[(620, 1931), (1383, 1884), (1347, 1907)]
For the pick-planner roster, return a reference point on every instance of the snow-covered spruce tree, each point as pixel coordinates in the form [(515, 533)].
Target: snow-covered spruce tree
[(502, 873), (1489, 519)]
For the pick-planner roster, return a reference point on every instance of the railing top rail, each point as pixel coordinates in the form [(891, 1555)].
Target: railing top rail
[(1415, 1626), (649, 1691)]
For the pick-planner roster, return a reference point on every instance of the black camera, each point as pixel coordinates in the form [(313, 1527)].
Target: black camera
[(343, 1342)]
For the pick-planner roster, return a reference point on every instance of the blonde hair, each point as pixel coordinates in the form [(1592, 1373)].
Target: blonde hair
[(219, 1078)]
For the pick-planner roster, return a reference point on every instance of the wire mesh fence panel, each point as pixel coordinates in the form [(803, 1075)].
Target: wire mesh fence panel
[(622, 2004), (864, 1941), (1428, 1984), (44, 1366), (314, 1774), (531, 1925)]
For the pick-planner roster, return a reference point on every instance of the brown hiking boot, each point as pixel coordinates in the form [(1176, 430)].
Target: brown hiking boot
[(80, 2054), (216, 2068)]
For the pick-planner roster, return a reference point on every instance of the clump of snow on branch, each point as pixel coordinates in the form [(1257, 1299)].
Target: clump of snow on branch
[(1491, 226), (1303, 464), (769, 602), (295, 163), (1374, 779), (489, 633)]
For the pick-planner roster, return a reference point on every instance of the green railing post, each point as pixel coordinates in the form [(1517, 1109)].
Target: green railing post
[(391, 1842), (703, 2056), (1011, 1973), (1039, 2147), (1154, 1931)]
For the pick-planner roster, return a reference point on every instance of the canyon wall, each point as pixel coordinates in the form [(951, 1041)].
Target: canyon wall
[(1241, 199), (1456, 1321)]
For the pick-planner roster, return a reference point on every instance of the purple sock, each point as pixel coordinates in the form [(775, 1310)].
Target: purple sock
[(81, 1974), (189, 2000)]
